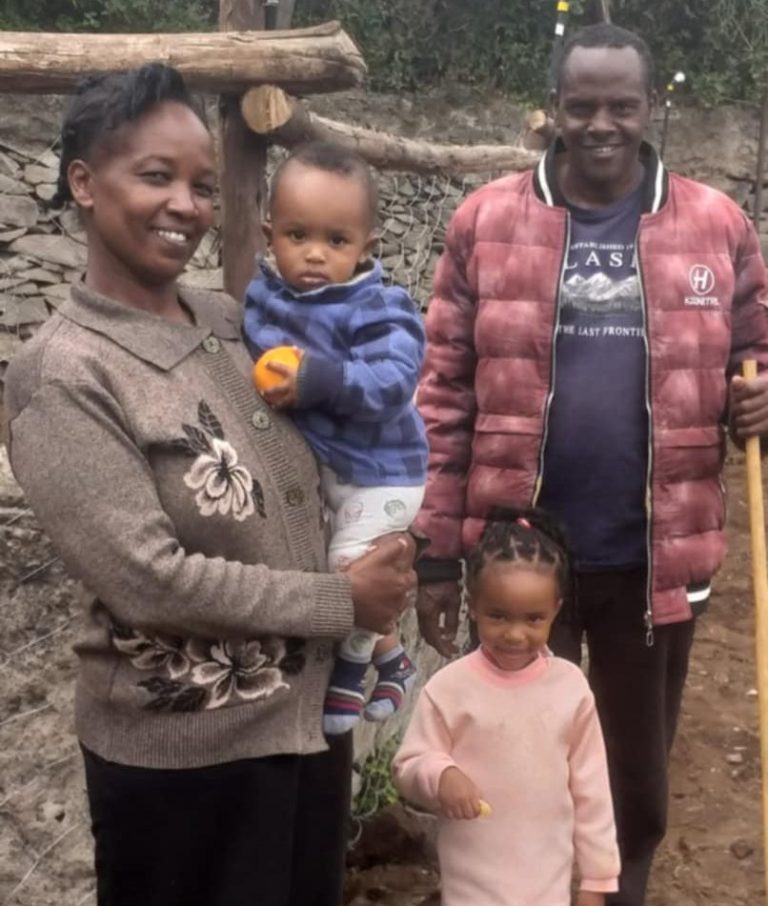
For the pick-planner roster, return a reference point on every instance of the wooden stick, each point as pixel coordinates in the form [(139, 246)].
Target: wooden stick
[(271, 112), (760, 586), (307, 60), (539, 130)]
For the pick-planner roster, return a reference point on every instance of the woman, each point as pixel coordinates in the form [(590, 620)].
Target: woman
[(191, 511)]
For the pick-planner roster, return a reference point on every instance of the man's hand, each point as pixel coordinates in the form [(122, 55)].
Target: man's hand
[(458, 796), (437, 606), (749, 406), (590, 898)]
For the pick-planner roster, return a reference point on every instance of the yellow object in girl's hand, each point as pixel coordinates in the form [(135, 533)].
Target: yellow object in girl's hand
[(485, 809), (263, 377)]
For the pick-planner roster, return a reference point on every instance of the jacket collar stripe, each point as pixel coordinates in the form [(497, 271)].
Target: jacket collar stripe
[(658, 189), (543, 181), (655, 187)]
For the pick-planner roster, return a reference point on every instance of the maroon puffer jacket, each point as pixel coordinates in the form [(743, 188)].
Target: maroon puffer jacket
[(487, 380)]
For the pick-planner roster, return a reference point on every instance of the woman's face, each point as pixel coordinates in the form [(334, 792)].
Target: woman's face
[(147, 198)]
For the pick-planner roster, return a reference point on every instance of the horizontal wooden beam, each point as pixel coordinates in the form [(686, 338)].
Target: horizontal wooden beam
[(284, 120), (305, 61)]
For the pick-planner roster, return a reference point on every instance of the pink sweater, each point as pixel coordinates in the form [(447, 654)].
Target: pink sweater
[(531, 741)]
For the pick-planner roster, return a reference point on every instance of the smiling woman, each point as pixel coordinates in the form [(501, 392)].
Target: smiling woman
[(190, 511), (160, 187), (147, 207)]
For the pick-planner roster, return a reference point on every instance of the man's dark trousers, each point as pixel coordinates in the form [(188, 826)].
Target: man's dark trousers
[(638, 689)]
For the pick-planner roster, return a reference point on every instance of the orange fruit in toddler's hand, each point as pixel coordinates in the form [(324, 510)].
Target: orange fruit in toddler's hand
[(264, 378)]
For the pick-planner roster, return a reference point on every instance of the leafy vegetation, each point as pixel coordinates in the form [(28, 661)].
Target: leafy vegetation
[(108, 15), (407, 44), (721, 45), (376, 787)]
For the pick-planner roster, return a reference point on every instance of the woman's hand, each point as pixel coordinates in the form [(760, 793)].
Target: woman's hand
[(382, 580), (458, 795)]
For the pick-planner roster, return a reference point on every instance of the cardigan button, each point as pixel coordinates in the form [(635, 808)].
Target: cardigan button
[(260, 420), (211, 344), (295, 496)]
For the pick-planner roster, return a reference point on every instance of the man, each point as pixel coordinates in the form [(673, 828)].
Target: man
[(585, 334)]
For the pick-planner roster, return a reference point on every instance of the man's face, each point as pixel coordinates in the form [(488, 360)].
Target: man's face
[(602, 110)]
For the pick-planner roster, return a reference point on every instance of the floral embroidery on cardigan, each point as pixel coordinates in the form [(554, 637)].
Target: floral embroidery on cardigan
[(221, 484), (216, 673)]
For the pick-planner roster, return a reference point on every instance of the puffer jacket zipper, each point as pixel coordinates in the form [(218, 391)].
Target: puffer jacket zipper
[(553, 361), (648, 619)]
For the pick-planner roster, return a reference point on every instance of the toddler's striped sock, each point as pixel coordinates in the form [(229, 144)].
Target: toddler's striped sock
[(345, 697), (397, 674)]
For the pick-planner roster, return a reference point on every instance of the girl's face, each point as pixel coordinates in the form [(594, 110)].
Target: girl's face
[(147, 198), (514, 606)]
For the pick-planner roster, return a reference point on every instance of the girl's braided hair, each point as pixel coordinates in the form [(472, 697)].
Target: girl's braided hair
[(102, 104), (529, 536)]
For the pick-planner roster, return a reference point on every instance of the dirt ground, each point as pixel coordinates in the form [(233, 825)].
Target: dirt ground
[(713, 850)]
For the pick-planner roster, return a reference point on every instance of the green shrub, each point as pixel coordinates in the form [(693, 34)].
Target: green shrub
[(376, 787), (108, 15), (408, 45), (722, 45)]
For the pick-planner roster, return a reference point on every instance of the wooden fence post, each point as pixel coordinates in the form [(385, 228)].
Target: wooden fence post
[(243, 167)]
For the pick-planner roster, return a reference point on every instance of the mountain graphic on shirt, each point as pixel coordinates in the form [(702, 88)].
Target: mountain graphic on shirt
[(599, 294)]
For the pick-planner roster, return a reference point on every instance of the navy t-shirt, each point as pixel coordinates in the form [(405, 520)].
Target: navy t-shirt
[(596, 450)]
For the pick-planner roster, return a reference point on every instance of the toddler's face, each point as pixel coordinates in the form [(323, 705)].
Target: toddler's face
[(514, 606), (320, 230)]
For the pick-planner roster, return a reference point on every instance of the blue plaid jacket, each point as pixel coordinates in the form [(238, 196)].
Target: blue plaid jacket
[(363, 348)]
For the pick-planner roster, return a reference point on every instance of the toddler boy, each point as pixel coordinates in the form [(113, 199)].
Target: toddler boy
[(361, 346)]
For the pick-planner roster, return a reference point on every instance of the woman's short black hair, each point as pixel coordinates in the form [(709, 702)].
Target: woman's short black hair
[(102, 104)]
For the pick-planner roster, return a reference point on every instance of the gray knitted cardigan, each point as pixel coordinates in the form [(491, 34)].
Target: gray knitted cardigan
[(191, 513)]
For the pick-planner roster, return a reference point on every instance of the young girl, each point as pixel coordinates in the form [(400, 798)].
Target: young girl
[(513, 727)]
